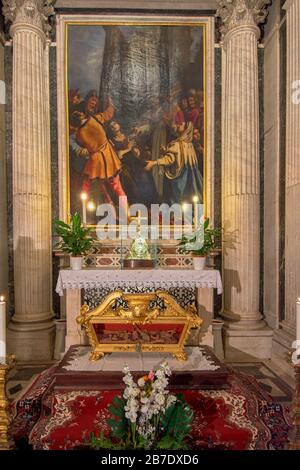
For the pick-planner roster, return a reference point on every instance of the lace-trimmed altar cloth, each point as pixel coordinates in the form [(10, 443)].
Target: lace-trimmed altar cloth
[(197, 360), (150, 278)]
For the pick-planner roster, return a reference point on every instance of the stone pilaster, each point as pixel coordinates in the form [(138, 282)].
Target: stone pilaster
[(292, 222), (272, 165), (245, 329), (31, 330)]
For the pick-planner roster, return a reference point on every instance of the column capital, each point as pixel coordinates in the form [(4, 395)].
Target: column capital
[(241, 13), (34, 13), (288, 4)]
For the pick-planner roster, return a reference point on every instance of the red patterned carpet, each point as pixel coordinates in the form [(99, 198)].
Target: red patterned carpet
[(241, 418)]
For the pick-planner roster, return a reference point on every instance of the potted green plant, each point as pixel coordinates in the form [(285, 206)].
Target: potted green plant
[(202, 243), (76, 240)]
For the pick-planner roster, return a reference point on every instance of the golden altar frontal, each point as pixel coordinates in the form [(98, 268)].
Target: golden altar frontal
[(149, 322)]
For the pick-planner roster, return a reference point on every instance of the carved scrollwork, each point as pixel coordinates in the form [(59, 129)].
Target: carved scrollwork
[(234, 13), (34, 12)]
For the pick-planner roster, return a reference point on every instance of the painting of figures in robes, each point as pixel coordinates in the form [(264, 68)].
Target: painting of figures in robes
[(136, 113)]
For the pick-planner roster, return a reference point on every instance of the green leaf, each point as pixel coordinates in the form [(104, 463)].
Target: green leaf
[(118, 423), (206, 224), (168, 442), (177, 420), (102, 442), (210, 239)]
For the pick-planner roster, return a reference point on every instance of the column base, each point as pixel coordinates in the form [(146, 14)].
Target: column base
[(31, 341), (247, 345), (281, 351), (245, 321)]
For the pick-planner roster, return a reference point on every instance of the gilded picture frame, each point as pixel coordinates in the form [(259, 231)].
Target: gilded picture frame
[(64, 23)]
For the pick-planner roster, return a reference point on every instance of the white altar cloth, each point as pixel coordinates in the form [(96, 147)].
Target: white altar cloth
[(197, 360), (149, 278)]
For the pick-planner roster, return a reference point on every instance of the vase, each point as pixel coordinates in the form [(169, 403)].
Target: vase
[(76, 262), (199, 262)]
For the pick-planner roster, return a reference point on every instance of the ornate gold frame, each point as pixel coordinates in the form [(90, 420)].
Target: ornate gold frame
[(63, 23), (139, 312)]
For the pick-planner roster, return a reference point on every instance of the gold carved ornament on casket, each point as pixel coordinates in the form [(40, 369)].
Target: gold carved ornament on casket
[(151, 322)]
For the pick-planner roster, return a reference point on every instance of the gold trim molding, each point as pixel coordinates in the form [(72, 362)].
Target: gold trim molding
[(5, 441), (63, 21)]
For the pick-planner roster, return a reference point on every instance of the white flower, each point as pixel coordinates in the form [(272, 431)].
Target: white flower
[(159, 374), (144, 399), (170, 400), (144, 409), (132, 416), (165, 368), (141, 382), (160, 399)]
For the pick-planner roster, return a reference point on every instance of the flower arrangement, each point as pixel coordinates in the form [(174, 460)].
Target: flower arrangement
[(147, 416)]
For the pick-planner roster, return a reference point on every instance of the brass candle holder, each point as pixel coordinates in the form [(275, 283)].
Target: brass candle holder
[(5, 441)]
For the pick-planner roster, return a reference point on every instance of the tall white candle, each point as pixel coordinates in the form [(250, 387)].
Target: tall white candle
[(196, 200), (2, 330), (83, 199), (298, 321)]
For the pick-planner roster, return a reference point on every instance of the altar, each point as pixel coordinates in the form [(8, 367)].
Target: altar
[(71, 284)]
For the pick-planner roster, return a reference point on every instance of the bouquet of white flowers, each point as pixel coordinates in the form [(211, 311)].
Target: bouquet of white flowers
[(147, 416)]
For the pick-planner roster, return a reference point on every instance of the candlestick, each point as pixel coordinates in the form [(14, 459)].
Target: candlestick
[(5, 414), (298, 321), (83, 199), (2, 330)]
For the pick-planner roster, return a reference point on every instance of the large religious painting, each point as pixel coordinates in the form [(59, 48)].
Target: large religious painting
[(136, 112)]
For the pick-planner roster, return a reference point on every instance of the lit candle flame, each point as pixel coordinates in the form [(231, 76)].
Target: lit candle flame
[(83, 196), (91, 206), (184, 206), (195, 199), (2, 298)]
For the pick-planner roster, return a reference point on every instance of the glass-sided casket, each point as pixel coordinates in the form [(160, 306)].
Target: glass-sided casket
[(146, 322)]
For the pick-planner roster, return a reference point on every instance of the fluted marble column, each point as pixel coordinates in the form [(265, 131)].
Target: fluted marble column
[(31, 330), (292, 225), (245, 328)]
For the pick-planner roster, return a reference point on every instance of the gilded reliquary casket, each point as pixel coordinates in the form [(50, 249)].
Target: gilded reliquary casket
[(152, 322)]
